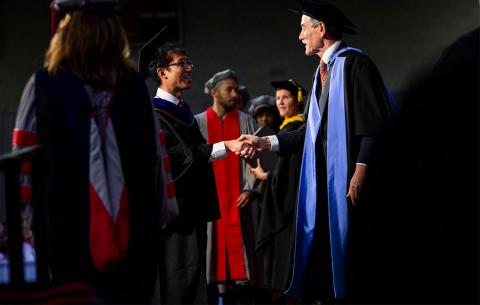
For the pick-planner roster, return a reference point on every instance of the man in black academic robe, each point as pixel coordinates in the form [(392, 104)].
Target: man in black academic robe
[(347, 112), (184, 239)]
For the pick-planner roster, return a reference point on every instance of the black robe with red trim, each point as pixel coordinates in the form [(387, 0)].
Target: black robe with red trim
[(60, 179), (183, 259)]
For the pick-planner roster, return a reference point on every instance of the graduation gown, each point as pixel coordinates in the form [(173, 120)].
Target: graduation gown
[(276, 230), (365, 103), (248, 216), (182, 267), (61, 109)]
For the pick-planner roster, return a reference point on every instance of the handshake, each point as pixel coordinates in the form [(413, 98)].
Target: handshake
[(247, 146)]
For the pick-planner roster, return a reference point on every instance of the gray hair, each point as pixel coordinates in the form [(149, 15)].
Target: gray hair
[(315, 22)]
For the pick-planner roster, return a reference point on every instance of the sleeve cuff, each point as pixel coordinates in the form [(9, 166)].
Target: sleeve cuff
[(273, 143), (365, 153), (218, 151)]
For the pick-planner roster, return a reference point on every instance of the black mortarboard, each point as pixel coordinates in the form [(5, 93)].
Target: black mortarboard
[(58, 8), (66, 6), (147, 56), (291, 86), (244, 93), (328, 13)]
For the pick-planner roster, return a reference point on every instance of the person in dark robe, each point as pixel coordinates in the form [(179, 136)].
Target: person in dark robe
[(348, 110), (426, 234), (264, 111), (95, 180), (184, 239), (243, 98), (276, 234)]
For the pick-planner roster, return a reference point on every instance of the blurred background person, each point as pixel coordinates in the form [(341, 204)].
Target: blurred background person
[(275, 237), (263, 110), (424, 236), (231, 258), (243, 98)]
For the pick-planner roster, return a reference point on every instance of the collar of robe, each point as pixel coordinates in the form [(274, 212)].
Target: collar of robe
[(182, 114), (286, 121)]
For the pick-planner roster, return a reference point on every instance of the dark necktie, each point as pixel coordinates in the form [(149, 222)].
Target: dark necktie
[(323, 77), (181, 104), (323, 74)]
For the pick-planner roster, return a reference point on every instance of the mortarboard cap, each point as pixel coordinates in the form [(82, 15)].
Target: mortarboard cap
[(292, 86), (147, 56), (60, 7), (244, 93), (244, 98), (218, 77), (261, 102), (328, 13), (67, 6)]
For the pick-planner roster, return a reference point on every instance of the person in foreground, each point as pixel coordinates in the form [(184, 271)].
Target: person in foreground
[(347, 111), (95, 176)]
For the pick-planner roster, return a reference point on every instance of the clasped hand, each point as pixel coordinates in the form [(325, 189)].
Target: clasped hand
[(247, 146)]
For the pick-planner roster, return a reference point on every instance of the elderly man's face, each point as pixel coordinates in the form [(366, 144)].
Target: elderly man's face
[(227, 94), (311, 36)]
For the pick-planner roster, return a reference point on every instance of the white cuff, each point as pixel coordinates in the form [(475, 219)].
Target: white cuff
[(274, 146), (218, 152), (362, 164)]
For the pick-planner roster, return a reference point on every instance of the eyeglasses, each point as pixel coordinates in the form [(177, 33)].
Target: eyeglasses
[(182, 63)]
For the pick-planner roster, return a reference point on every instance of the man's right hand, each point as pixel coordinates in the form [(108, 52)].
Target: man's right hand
[(235, 146), (255, 144)]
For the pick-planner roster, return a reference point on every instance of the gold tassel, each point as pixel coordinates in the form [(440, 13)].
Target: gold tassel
[(300, 95)]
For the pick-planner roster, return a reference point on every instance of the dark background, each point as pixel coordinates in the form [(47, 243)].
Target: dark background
[(428, 237), (257, 38)]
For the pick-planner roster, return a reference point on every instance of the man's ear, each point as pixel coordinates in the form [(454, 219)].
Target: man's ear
[(322, 28), (213, 92), (160, 73)]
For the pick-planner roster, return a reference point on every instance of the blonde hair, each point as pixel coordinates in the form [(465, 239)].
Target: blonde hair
[(93, 45)]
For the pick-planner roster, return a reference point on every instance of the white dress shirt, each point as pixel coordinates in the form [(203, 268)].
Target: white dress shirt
[(325, 58), (219, 150)]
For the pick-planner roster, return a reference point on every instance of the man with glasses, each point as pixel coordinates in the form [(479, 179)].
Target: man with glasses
[(183, 244), (231, 256)]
